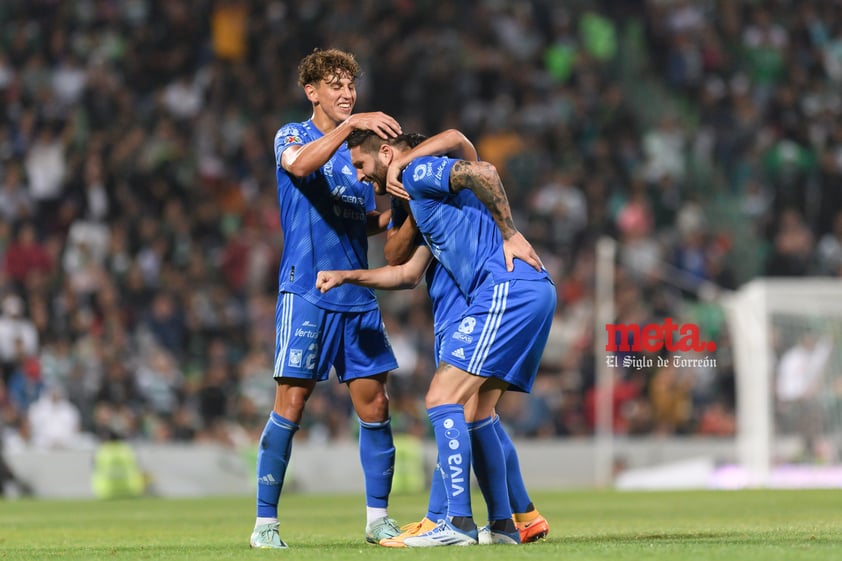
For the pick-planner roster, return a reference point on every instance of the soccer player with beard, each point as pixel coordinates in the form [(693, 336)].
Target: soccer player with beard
[(461, 210)]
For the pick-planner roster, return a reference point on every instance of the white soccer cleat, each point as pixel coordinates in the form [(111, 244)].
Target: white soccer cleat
[(487, 536), (444, 533), (266, 536), (484, 535), (381, 529)]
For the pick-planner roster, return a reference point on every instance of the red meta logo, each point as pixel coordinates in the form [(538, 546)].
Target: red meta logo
[(652, 337)]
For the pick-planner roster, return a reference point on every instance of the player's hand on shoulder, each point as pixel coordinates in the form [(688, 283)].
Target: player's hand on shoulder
[(384, 125), (517, 247), (393, 182), (325, 280)]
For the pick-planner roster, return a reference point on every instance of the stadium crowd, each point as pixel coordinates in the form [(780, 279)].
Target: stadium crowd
[(139, 233)]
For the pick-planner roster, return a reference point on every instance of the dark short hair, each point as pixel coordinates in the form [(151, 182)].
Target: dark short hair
[(325, 64), (370, 141)]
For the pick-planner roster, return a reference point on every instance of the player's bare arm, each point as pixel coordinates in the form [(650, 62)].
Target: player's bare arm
[(389, 277), (377, 221), (450, 142), (302, 160), (482, 179), (401, 242)]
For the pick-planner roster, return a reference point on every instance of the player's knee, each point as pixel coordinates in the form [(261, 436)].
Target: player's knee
[(375, 409), (290, 402), (292, 411), (482, 413), (436, 397), (449, 390)]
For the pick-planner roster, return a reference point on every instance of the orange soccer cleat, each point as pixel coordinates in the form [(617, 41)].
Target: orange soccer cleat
[(407, 531), (533, 530)]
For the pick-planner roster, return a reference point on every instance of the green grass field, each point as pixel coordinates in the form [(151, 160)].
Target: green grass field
[(610, 526)]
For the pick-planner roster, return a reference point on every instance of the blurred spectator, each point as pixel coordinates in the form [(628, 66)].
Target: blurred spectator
[(663, 147), (559, 208), (46, 168), (765, 41), (717, 420), (256, 387), (182, 99), (68, 79), (799, 383), (690, 254), (25, 385), (96, 198), (25, 256), (10, 438), (165, 322), (18, 337), (84, 257), (15, 201), (213, 397), (669, 393), (829, 250), (118, 387), (229, 22), (640, 251), (160, 382), (792, 252), (55, 423), (624, 400)]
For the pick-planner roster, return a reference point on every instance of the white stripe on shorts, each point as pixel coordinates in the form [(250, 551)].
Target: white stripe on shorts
[(284, 328), (492, 325)]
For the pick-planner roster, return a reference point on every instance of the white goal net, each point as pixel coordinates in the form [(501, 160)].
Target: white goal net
[(787, 339)]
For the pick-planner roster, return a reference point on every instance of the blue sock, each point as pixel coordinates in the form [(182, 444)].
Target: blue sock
[(437, 506), (377, 455), (272, 458), (490, 467), (518, 497), (454, 447)]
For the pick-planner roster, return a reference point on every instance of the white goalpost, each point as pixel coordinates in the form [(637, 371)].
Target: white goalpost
[(787, 342)]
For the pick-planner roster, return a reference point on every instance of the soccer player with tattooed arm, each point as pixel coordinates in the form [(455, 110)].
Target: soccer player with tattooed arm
[(485, 303)]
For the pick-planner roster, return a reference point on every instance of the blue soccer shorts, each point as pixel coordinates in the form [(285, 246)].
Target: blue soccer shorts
[(310, 340), (503, 332)]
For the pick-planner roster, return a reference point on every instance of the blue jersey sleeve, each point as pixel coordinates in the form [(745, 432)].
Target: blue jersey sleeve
[(323, 217), (428, 177), (287, 136)]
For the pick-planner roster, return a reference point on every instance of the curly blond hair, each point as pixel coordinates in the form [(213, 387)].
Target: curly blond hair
[(326, 65)]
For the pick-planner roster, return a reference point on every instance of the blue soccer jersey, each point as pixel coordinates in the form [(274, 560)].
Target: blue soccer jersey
[(447, 300), (323, 217), (501, 326), (458, 228)]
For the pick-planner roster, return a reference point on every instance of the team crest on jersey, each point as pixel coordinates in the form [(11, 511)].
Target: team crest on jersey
[(295, 356), (419, 172), (463, 333)]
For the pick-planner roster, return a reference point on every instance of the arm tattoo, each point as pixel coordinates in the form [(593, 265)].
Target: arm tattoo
[(482, 179)]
